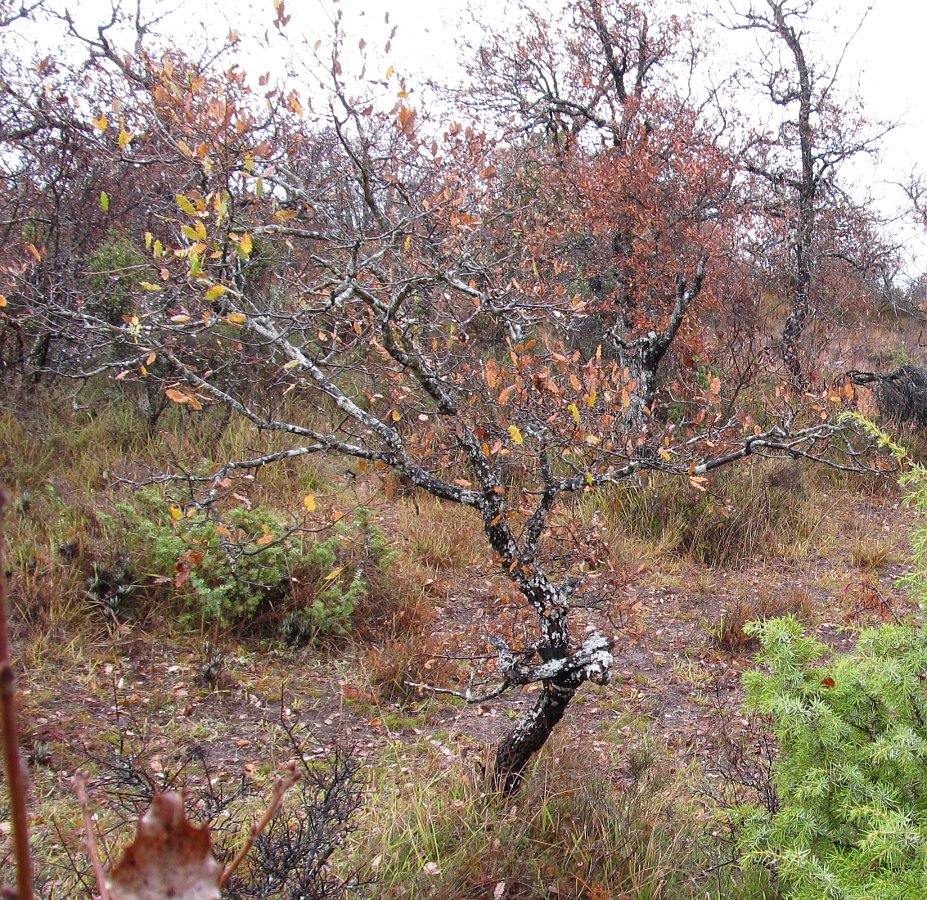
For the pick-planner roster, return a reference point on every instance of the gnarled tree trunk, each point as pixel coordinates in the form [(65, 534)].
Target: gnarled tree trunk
[(529, 735)]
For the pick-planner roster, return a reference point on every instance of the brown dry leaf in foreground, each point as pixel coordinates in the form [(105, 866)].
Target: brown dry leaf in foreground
[(168, 858)]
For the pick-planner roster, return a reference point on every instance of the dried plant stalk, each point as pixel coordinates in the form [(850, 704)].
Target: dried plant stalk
[(15, 773), (282, 784)]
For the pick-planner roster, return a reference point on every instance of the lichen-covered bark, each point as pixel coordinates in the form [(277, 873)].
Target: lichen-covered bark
[(529, 735)]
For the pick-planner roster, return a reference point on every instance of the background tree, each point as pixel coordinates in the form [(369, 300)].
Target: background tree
[(637, 202), (330, 271), (820, 235)]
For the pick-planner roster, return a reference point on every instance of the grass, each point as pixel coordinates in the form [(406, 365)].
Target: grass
[(586, 825), (439, 535), (871, 556), (759, 511), (770, 602)]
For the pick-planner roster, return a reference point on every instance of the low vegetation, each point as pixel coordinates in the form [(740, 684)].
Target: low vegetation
[(455, 493)]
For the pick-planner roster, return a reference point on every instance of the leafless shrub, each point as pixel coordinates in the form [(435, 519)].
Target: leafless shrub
[(901, 395), (290, 857)]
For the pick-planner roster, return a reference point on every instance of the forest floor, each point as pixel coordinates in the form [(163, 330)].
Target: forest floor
[(124, 697)]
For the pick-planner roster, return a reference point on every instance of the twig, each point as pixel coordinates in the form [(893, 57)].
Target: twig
[(15, 775), (282, 783), (80, 789), (463, 695)]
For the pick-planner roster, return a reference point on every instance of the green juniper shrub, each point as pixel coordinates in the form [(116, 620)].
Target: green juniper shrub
[(115, 269), (851, 777), (245, 567)]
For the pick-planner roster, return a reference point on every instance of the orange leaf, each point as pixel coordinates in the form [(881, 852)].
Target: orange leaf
[(491, 373), (506, 394)]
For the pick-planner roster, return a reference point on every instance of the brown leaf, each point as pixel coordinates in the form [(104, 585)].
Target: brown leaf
[(168, 858)]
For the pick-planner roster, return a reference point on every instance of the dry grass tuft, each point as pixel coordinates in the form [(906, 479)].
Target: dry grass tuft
[(871, 556), (757, 511), (729, 633), (440, 536)]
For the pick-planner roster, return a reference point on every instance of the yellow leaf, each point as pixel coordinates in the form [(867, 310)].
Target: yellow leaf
[(175, 512), (215, 292), (286, 214), (104, 201), (292, 364), (245, 245), (125, 137), (515, 435), (102, 123), (574, 410), (331, 576), (236, 319), (591, 401), (148, 286), (309, 503), (389, 72), (186, 205), (149, 237)]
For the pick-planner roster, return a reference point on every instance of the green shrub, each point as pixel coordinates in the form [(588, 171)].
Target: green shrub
[(114, 271), (851, 777), (233, 570), (850, 819)]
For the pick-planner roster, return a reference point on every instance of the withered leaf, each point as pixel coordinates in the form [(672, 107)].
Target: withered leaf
[(169, 858)]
